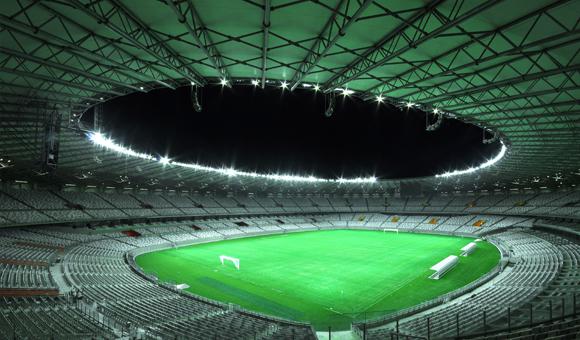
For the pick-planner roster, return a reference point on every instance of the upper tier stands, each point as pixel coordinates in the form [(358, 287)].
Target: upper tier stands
[(24, 207)]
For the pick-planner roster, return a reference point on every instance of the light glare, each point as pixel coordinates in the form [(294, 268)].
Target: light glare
[(100, 140), (486, 164), (346, 92)]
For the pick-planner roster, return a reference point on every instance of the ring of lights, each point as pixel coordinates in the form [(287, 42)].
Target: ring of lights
[(100, 140)]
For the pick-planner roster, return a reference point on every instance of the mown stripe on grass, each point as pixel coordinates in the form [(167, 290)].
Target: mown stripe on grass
[(252, 298)]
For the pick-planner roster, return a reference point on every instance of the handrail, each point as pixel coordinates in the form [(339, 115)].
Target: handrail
[(385, 319)]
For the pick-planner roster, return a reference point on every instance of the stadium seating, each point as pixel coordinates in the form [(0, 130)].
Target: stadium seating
[(26, 207), (116, 300), (542, 263), (48, 317)]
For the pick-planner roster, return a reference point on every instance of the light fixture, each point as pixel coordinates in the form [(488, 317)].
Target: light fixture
[(346, 92), (436, 111), (255, 82), (164, 160), (284, 85), (107, 143), (316, 87), (380, 98), (223, 82), (140, 87), (196, 103), (486, 164), (409, 105), (99, 139)]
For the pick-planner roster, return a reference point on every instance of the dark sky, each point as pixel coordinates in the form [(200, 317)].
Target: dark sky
[(281, 131)]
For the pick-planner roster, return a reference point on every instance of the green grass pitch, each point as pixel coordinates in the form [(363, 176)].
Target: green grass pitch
[(329, 278)]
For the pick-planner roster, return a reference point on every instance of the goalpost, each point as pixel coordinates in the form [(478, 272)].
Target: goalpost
[(386, 230), (234, 260)]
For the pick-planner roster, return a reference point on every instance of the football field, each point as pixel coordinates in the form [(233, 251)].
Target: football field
[(328, 278)]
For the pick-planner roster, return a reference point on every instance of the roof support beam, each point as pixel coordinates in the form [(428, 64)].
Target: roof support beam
[(199, 34), (59, 81), (47, 93), (524, 108), (403, 80), (492, 71), (505, 82), (400, 41), (131, 67), (265, 39), (120, 20), (28, 99), (508, 98), (543, 115), (333, 30), (67, 69)]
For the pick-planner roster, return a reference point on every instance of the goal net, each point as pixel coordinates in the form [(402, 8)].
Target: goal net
[(386, 230), (233, 260)]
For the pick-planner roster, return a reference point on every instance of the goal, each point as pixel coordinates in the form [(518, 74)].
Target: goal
[(234, 260), (387, 230)]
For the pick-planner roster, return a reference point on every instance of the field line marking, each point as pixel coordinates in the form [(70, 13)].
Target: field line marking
[(391, 292)]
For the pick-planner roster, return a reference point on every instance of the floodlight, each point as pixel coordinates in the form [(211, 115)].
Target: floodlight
[(436, 111), (380, 98), (284, 85), (164, 160), (101, 140), (141, 87), (316, 87), (229, 171), (410, 105), (223, 82), (346, 92), (486, 164), (255, 82)]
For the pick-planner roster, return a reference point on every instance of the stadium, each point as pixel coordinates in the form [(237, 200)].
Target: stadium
[(289, 169)]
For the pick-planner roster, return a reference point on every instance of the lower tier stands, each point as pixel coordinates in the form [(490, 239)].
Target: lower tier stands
[(543, 271), (101, 296)]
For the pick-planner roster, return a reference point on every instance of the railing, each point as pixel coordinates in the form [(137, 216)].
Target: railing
[(486, 325), (132, 254), (357, 327)]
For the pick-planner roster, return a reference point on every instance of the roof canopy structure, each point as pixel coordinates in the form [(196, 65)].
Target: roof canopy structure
[(510, 66)]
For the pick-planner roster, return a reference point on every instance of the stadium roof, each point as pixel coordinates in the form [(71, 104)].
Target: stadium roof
[(510, 66)]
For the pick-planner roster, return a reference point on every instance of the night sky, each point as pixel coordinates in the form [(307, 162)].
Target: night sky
[(270, 130)]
